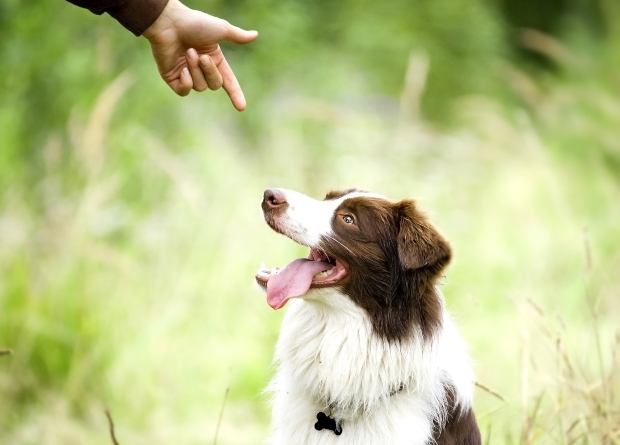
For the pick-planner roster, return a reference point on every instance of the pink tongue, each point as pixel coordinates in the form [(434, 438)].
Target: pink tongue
[(292, 281)]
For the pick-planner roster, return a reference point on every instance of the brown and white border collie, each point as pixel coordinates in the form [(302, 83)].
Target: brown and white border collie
[(367, 354)]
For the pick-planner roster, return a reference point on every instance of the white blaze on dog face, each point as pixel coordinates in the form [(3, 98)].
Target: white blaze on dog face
[(306, 220)]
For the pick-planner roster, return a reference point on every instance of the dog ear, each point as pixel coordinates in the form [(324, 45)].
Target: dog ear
[(419, 243)]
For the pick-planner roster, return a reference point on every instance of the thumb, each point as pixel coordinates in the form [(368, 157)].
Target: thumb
[(237, 35)]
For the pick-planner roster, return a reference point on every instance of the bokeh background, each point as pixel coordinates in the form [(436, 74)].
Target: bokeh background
[(130, 227)]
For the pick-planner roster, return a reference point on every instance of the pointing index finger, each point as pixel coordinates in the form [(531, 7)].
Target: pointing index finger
[(231, 85)]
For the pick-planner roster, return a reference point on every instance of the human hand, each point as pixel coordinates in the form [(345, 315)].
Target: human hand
[(185, 47)]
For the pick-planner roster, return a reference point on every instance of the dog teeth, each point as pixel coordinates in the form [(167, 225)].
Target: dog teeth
[(266, 272), (324, 274)]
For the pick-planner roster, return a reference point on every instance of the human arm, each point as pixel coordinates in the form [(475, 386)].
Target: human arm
[(135, 15)]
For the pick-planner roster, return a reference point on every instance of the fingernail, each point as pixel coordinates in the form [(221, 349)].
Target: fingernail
[(191, 53), (204, 61), (185, 72)]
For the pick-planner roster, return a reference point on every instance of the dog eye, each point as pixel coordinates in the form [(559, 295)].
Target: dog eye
[(348, 219)]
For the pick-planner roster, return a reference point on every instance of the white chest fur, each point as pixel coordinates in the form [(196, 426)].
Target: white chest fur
[(329, 360)]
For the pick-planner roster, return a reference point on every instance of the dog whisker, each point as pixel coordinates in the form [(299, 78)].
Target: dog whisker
[(326, 235)]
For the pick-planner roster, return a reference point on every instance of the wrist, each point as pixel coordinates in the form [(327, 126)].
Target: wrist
[(165, 21)]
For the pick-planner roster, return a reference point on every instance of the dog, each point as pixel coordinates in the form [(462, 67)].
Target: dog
[(367, 354)]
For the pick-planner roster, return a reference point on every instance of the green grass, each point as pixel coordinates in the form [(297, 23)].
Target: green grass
[(130, 234)]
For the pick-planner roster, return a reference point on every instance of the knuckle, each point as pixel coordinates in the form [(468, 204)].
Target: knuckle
[(225, 27)]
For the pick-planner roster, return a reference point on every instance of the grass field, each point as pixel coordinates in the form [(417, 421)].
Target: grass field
[(128, 251)]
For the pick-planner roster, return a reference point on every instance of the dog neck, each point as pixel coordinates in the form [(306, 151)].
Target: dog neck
[(328, 346)]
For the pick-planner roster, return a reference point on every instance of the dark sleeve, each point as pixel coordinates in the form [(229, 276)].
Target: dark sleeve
[(135, 15)]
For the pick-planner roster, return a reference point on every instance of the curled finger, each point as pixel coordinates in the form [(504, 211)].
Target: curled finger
[(211, 73), (183, 85), (199, 83)]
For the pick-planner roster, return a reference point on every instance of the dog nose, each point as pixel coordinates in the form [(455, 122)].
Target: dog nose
[(274, 199)]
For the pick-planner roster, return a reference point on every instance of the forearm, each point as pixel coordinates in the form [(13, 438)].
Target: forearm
[(135, 15)]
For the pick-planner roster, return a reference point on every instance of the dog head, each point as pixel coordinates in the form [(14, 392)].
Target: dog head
[(384, 255)]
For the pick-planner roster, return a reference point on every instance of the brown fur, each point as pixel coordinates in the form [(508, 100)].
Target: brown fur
[(461, 427), (394, 258), (335, 194)]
